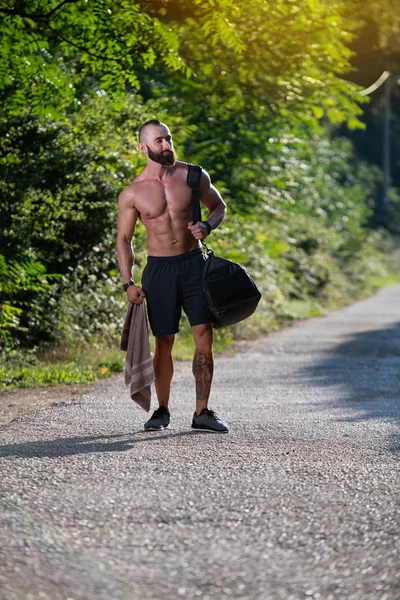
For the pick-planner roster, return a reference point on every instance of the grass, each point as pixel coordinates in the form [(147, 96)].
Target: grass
[(85, 364)]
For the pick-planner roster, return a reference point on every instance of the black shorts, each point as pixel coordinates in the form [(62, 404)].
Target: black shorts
[(173, 282)]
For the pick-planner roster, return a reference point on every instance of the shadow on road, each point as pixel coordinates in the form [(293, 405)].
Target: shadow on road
[(84, 445), (366, 372)]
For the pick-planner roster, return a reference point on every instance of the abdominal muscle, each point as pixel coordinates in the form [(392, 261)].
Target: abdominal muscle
[(169, 237)]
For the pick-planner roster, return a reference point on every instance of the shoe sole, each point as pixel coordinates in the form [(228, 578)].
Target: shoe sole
[(156, 428), (206, 430)]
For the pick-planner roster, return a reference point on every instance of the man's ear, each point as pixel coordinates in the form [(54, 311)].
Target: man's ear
[(143, 148)]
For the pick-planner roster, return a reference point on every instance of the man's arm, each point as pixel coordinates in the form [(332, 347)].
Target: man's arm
[(127, 219), (210, 197)]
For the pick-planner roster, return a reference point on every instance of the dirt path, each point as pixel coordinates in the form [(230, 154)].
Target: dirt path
[(22, 401)]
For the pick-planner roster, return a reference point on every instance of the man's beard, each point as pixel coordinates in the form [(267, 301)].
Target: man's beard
[(166, 158)]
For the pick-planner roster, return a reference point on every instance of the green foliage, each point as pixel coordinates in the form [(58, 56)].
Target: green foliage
[(60, 183), (76, 364), (285, 56), (56, 52), (45, 375), (386, 18), (22, 285), (60, 179)]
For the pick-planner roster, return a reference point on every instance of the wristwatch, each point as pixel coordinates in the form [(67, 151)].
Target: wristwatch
[(126, 285), (207, 224)]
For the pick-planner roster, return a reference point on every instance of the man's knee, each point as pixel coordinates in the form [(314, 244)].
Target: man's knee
[(164, 343), (203, 338)]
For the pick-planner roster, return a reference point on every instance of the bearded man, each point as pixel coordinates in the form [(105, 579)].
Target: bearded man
[(172, 279)]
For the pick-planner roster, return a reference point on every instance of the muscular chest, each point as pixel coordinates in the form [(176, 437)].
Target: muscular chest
[(158, 198)]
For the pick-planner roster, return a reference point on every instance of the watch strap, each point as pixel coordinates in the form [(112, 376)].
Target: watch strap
[(128, 284)]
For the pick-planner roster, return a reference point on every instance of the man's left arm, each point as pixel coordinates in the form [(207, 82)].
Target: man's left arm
[(210, 197)]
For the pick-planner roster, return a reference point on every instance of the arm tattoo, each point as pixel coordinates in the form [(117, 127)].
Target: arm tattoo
[(203, 367)]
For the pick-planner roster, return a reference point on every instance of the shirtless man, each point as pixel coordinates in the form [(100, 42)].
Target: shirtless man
[(172, 278)]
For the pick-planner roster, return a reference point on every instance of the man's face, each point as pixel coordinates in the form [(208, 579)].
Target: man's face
[(158, 143), (167, 158)]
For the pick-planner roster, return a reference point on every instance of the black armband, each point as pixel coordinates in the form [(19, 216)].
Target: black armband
[(207, 224)]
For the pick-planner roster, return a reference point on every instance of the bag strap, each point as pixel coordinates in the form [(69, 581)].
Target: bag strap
[(193, 181)]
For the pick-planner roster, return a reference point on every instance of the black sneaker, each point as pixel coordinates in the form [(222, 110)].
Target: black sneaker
[(208, 420), (158, 420)]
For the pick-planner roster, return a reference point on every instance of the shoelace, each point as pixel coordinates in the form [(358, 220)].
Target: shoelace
[(212, 414)]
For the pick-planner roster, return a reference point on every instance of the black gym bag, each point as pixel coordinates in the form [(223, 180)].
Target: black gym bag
[(231, 293)]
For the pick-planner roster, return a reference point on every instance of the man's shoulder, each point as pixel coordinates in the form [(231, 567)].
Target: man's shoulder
[(180, 165), (184, 166), (204, 174), (128, 194)]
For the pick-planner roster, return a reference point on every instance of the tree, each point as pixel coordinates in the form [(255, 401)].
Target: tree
[(54, 51), (284, 55), (376, 49)]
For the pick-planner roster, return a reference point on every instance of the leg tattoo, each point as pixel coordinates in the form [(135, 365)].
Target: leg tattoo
[(203, 367)]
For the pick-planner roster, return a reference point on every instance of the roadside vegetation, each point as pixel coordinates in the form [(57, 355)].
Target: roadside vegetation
[(258, 95)]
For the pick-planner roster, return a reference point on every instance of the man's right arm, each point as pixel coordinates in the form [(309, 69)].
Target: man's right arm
[(127, 219)]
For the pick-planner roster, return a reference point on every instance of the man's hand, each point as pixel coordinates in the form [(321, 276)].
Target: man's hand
[(135, 294), (199, 231)]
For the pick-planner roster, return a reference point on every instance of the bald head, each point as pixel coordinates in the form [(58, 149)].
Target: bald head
[(152, 126)]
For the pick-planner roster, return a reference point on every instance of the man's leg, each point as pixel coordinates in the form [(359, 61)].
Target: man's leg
[(204, 419), (203, 364), (163, 371), (197, 309), (163, 368)]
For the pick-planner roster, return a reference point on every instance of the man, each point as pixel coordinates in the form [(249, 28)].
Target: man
[(172, 278)]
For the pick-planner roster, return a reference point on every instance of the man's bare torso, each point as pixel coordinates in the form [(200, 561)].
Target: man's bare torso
[(165, 209)]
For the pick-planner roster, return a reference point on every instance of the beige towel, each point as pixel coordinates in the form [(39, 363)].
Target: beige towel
[(139, 374)]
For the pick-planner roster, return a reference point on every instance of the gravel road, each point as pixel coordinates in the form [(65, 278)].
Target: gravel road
[(299, 500)]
